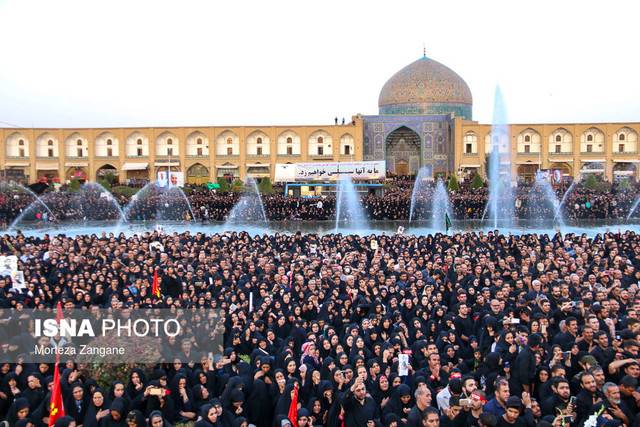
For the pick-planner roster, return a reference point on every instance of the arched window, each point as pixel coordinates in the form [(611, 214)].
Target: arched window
[(289, 140), (558, 138), (589, 137), (169, 141), (50, 142), (229, 141), (527, 138), (259, 140), (79, 142), (139, 141), (320, 140), (621, 137), (21, 142), (199, 141), (109, 141)]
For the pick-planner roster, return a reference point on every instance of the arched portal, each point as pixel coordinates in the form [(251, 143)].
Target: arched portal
[(403, 152), (197, 174)]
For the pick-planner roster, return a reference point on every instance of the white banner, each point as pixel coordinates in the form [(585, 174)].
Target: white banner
[(9, 267), (170, 179), (330, 171)]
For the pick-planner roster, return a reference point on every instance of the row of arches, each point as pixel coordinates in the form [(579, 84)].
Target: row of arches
[(137, 144), (560, 141)]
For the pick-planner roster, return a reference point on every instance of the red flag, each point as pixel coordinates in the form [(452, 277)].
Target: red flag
[(56, 408), (155, 288), (293, 408), (59, 315)]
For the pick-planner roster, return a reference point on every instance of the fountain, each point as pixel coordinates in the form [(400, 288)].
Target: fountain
[(633, 208), (249, 208), (36, 211), (500, 206), (420, 196), (153, 202), (543, 205), (349, 211), (96, 203), (441, 207)]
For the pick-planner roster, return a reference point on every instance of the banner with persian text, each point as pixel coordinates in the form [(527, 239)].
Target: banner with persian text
[(300, 172)]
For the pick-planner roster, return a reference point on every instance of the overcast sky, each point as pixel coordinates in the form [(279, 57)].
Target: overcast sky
[(154, 63)]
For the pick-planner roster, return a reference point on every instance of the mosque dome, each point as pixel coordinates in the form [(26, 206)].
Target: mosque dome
[(426, 87)]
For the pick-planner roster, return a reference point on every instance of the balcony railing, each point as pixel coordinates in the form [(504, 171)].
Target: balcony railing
[(562, 153), (47, 157), (135, 156), (197, 156), (321, 156), (17, 157), (263, 156)]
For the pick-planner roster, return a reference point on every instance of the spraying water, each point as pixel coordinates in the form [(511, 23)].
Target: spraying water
[(37, 208), (633, 208), (349, 211), (501, 204), (441, 206), (249, 208), (566, 194), (544, 206), (97, 203), (420, 194), (153, 202)]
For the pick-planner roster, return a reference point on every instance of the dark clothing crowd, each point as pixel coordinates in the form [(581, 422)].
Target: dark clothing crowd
[(474, 329), (94, 203)]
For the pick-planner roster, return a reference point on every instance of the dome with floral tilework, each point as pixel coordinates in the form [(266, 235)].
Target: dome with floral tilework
[(426, 87)]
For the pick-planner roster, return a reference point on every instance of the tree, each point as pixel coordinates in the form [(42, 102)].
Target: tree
[(453, 183), (477, 182), (237, 186), (224, 185), (265, 186), (111, 178), (106, 184), (487, 164), (591, 182), (74, 185)]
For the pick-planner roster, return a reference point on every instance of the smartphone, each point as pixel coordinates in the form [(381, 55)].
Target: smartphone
[(465, 402), (374, 245), (572, 401), (515, 321)]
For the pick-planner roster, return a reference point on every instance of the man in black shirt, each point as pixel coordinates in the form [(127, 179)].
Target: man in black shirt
[(359, 408)]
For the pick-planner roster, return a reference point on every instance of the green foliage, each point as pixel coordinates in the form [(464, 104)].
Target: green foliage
[(237, 186), (454, 185), (265, 186), (106, 184), (477, 182), (224, 185), (74, 186), (487, 164), (624, 185), (124, 191), (111, 178), (591, 182)]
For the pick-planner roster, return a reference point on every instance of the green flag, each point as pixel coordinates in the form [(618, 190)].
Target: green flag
[(447, 222), (213, 185)]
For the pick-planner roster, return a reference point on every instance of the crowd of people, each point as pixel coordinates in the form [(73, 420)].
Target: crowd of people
[(529, 202), (474, 329)]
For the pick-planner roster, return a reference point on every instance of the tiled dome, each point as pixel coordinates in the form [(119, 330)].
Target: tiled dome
[(426, 87)]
